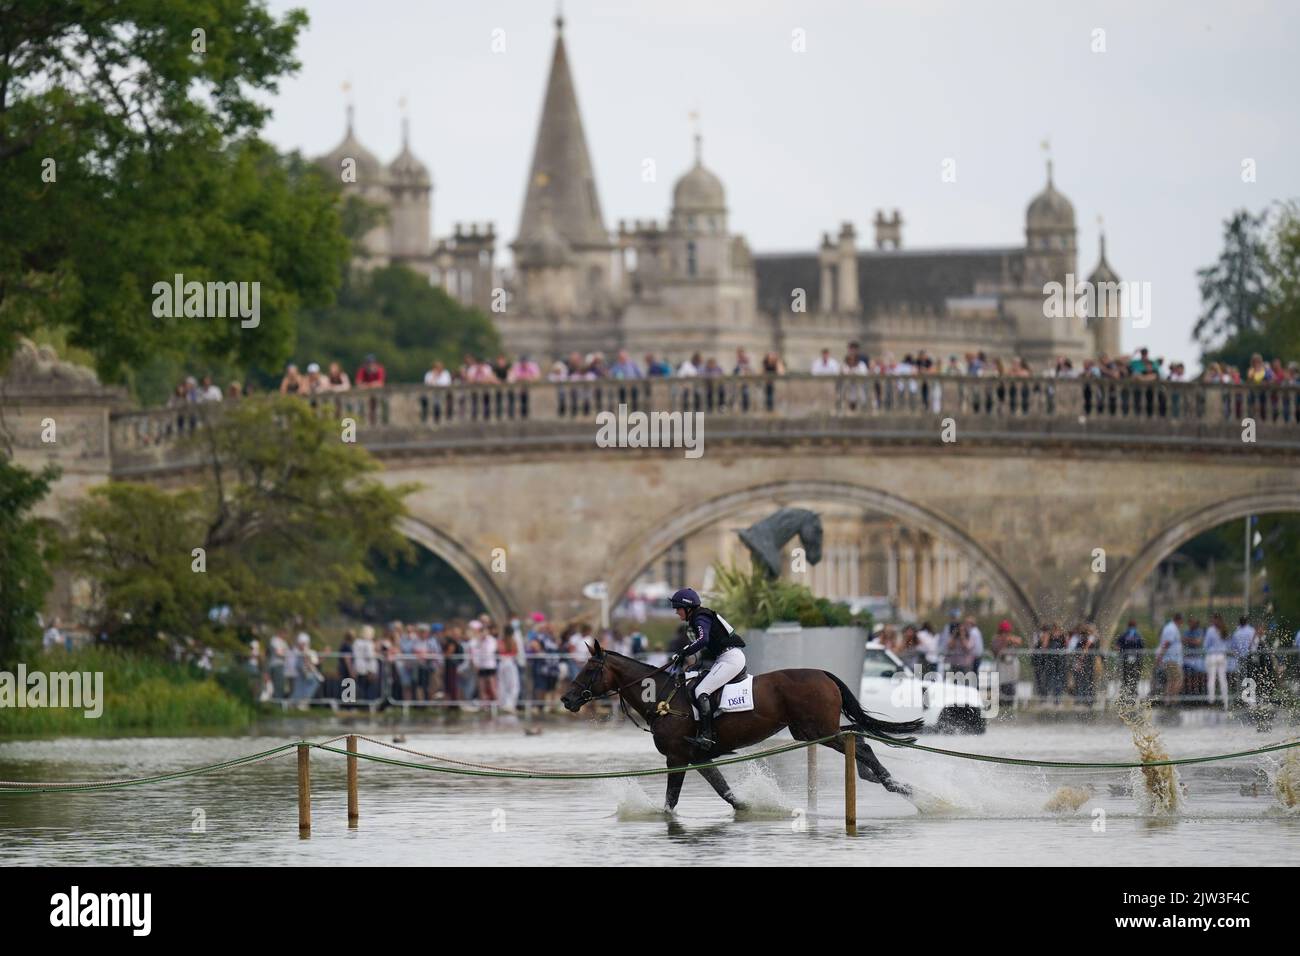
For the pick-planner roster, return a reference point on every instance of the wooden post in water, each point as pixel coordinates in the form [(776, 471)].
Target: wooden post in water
[(812, 778), (354, 808), (304, 790), (850, 785)]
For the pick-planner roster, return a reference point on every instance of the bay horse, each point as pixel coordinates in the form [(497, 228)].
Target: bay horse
[(809, 702)]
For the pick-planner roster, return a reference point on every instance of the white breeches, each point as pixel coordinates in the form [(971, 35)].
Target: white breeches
[(729, 663)]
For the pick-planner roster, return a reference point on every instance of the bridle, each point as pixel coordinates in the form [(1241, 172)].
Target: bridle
[(586, 696)]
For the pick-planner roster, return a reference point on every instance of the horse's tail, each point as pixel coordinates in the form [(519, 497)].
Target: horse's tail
[(863, 721)]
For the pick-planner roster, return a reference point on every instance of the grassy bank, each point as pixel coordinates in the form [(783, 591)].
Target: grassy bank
[(141, 695)]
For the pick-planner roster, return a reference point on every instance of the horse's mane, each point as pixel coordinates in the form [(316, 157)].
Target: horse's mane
[(624, 657)]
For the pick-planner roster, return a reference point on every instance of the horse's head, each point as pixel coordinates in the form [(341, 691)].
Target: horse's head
[(810, 533), (592, 681)]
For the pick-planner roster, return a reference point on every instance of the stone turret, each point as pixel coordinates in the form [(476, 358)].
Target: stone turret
[(1050, 252), (411, 188), (1108, 307)]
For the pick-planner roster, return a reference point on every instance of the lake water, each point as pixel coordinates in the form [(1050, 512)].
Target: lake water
[(972, 813)]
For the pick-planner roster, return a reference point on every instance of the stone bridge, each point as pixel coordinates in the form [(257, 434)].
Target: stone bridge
[(1029, 476)]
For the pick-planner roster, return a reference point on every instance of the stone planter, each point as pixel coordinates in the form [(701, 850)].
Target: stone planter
[(840, 650)]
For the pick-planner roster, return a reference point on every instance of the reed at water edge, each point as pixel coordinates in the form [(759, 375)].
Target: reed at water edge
[(141, 694)]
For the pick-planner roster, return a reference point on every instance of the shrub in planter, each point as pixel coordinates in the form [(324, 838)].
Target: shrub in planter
[(750, 600)]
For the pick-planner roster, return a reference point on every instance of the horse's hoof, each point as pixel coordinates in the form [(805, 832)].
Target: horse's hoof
[(901, 789)]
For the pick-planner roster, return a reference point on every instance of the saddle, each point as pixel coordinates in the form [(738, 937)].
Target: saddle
[(715, 698)]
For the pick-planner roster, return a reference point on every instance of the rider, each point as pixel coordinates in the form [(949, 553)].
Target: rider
[(721, 645)]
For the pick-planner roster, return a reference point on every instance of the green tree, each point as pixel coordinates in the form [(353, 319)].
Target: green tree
[(286, 514), (1234, 290), (1282, 315), (128, 155), (396, 314), (25, 550)]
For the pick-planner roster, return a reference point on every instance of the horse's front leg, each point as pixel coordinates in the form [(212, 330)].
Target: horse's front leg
[(719, 783), (674, 793)]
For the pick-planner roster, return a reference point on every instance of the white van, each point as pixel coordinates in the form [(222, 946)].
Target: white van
[(890, 689)]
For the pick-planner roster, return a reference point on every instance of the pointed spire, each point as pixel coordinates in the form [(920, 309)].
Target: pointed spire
[(561, 167), (1103, 272)]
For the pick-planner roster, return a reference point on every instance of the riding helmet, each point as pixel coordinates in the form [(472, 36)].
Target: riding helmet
[(686, 598)]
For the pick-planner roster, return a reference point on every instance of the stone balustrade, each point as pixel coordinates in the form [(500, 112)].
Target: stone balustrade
[(1033, 409)]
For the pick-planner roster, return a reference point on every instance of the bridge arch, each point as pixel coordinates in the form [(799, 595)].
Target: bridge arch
[(481, 582), (1112, 598), (692, 518)]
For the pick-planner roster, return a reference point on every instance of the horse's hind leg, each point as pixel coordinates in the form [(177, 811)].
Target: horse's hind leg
[(868, 764), (869, 768), (719, 783)]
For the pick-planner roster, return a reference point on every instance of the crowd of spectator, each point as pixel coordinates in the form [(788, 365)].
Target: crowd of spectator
[(1140, 366), (1190, 662), (475, 662)]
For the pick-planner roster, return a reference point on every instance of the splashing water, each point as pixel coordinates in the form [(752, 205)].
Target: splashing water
[(1067, 799), (758, 790), (632, 803), (1157, 790), (1284, 775)]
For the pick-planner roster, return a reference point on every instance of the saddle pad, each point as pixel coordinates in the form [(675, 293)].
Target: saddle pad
[(738, 696), (735, 698)]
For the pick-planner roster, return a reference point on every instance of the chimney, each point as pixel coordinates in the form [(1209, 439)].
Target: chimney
[(827, 258), (848, 269), (889, 232)]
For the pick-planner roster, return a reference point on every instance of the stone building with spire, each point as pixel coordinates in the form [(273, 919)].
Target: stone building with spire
[(689, 284), (402, 191)]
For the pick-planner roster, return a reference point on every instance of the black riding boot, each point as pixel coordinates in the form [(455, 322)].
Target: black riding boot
[(704, 739)]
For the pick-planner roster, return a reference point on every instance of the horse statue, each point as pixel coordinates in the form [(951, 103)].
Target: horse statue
[(766, 538), (809, 702)]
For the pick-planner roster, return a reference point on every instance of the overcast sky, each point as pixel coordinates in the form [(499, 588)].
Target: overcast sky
[(1151, 134)]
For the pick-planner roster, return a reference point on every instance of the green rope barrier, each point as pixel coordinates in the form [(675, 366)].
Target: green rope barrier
[(592, 775), (141, 781), (43, 787), (1024, 762)]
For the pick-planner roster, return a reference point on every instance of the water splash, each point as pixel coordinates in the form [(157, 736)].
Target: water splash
[(759, 792), (1067, 799), (632, 803), (1157, 791), (1284, 775)]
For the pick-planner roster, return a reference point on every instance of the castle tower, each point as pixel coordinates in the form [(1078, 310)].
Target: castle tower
[(1107, 309), (699, 220), (1050, 252), (1043, 334), (561, 180), (361, 174), (411, 189)]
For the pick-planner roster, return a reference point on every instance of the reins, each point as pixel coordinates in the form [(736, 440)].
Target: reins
[(660, 709)]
